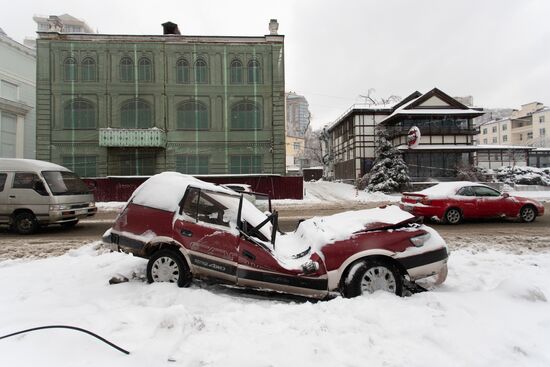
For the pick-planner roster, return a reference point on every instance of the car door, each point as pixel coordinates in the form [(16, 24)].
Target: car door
[(4, 213), (258, 267), (209, 236), (467, 201), (28, 192), (489, 202)]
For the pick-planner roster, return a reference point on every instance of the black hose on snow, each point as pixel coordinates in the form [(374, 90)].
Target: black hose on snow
[(67, 327)]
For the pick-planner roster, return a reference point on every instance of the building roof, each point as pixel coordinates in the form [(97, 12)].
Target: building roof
[(443, 147)]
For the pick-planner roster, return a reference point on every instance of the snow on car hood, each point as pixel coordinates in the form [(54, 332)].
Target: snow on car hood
[(318, 232)]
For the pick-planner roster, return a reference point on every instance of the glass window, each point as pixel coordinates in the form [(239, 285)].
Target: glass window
[(485, 141), (88, 70), (201, 71), (484, 131), (505, 138), (254, 72), (541, 119), (244, 164), (520, 136), (9, 90), (466, 191), (79, 114), (145, 70), (82, 165), (3, 177), (485, 191), (246, 116), (190, 204), (182, 71), (69, 69), (211, 210), (136, 114), (494, 139), (494, 129), (236, 72), (192, 164), (137, 163), (542, 131), (192, 115), (504, 127), (65, 183), (296, 146), (529, 135), (8, 134), (25, 180), (126, 70)]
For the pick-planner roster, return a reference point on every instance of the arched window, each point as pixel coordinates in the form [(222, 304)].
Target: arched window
[(145, 70), (192, 115), (254, 72), (126, 70), (69, 69), (246, 116), (201, 71), (136, 114), (236, 72), (182, 71), (79, 114), (88, 70)]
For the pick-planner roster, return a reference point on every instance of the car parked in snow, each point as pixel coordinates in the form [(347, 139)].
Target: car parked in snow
[(451, 202), (188, 228), (36, 193)]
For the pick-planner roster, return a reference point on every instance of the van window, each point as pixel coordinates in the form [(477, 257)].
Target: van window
[(3, 177), (65, 183), (25, 180)]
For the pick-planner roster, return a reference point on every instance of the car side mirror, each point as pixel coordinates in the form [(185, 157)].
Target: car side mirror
[(505, 195)]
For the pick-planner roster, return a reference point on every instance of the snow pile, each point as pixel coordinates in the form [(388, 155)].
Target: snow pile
[(111, 206), (523, 175), (492, 310)]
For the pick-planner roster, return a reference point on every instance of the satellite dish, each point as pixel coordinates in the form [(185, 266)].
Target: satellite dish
[(413, 137)]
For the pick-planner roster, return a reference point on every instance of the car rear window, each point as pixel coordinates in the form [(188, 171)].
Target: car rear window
[(25, 180), (3, 177)]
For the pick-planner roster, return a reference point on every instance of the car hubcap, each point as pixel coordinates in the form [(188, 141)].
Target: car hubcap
[(528, 214), (378, 278), (165, 269), (25, 224), (453, 216)]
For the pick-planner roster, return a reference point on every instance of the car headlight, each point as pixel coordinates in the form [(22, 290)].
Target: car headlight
[(92, 204), (420, 240), (60, 207)]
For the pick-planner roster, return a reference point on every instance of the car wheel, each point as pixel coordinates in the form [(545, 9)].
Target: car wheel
[(69, 224), (167, 265), (371, 276), (453, 216), (25, 223), (527, 214)]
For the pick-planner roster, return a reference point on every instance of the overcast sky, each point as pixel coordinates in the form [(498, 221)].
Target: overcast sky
[(498, 51)]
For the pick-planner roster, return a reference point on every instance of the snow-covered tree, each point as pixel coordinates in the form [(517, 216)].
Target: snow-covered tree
[(389, 172)]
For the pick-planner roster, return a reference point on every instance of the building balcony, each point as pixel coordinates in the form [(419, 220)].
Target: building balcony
[(132, 138), (434, 130)]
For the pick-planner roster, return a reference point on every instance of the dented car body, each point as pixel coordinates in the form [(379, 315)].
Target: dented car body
[(191, 229)]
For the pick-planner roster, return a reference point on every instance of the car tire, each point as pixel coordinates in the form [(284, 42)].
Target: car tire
[(167, 265), (372, 275), (453, 216), (70, 224), (25, 223), (527, 214)]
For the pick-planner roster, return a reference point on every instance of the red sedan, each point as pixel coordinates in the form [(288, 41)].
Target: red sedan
[(451, 202)]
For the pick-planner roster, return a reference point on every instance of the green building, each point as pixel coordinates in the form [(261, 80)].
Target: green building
[(139, 105)]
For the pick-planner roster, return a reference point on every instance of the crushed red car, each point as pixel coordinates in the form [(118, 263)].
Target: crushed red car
[(189, 229), (451, 202)]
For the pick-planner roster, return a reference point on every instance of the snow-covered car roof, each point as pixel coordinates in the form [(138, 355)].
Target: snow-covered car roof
[(448, 188)]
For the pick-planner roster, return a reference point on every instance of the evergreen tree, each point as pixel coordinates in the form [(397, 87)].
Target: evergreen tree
[(389, 172)]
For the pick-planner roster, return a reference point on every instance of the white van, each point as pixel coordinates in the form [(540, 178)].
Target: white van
[(35, 193)]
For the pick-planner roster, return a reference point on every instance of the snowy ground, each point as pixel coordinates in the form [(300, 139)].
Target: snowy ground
[(493, 310)]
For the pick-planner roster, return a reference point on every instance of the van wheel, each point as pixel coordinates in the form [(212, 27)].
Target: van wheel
[(69, 224), (167, 265), (25, 223)]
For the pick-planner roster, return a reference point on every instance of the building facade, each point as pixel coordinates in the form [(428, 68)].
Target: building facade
[(527, 126), (138, 105), (297, 125), (17, 99), (446, 141)]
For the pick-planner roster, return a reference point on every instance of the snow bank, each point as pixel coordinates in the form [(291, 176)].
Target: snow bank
[(523, 175), (485, 314)]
